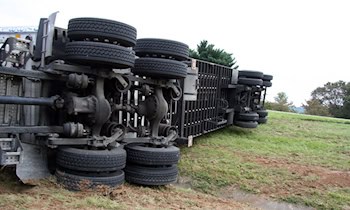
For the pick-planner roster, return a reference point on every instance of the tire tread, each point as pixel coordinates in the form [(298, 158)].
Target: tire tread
[(99, 53), (90, 160), (178, 50), (160, 68), (80, 28)]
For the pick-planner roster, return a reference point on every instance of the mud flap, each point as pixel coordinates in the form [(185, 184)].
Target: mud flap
[(33, 164)]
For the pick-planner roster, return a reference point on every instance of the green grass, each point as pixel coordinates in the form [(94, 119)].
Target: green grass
[(262, 161), (331, 199), (227, 157)]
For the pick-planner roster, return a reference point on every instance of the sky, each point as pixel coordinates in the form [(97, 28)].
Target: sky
[(302, 43)]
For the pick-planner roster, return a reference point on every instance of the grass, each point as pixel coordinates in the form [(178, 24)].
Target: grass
[(48, 195), (295, 158), (285, 158), (331, 199)]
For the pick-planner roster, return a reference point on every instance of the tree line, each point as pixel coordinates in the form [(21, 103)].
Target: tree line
[(332, 99)]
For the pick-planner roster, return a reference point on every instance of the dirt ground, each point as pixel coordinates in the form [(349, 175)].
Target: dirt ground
[(49, 195), (322, 177)]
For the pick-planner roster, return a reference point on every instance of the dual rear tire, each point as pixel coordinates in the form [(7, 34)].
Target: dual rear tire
[(161, 59), (100, 42), (80, 169), (250, 78), (246, 119), (267, 80), (262, 116), (151, 166)]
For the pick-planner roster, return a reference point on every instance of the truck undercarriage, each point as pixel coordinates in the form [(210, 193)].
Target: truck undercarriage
[(97, 106)]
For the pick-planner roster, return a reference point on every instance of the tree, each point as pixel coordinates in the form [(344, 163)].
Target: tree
[(314, 107), (208, 52), (281, 98), (346, 106), (281, 103), (335, 96)]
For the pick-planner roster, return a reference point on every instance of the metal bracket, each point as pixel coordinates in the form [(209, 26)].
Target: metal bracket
[(95, 141), (175, 89), (5, 143), (10, 151), (124, 82)]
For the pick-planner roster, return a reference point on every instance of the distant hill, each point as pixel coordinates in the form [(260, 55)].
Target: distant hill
[(300, 109)]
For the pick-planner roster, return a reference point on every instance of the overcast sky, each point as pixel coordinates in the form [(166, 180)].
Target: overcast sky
[(302, 43)]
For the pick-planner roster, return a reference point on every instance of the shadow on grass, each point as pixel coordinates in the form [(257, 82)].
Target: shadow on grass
[(231, 131), (9, 182), (239, 131)]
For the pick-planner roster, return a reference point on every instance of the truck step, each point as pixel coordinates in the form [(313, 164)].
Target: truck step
[(9, 158), (5, 143), (9, 152)]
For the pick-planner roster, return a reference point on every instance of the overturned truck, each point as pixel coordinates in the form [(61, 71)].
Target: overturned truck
[(94, 105)]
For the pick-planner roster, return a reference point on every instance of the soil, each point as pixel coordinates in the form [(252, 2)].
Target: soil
[(309, 176), (130, 196), (173, 197), (306, 177), (170, 198), (259, 201)]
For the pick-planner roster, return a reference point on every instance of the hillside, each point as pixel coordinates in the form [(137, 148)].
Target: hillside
[(294, 158)]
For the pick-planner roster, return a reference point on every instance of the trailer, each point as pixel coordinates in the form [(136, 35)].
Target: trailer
[(222, 97), (94, 105)]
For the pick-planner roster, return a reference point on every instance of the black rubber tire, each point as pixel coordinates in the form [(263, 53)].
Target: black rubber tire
[(144, 155), (160, 68), (81, 28), (267, 77), (250, 81), (177, 50), (78, 182), (262, 120), (91, 160), (96, 53), (251, 74), (250, 116), (246, 124), (262, 113), (267, 84), (150, 176)]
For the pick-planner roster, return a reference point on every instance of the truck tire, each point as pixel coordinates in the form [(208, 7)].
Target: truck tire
[(250, 81), (162, 47), (250, 116), (262, 113), (246, 124), (262, 120), (150, 176), (160, 68), (267, 84), (78, 182), (81, 28), (250, 74), (267, 77), (96, 53), (152, 156), (91, 160)]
